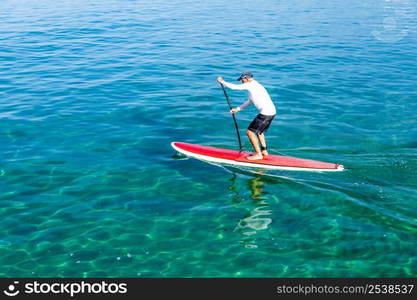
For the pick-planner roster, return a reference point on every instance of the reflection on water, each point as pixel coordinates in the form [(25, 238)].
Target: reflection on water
[(256, 218)]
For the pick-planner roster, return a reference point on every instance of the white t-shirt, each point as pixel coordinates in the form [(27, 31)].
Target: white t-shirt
[(258, 95)]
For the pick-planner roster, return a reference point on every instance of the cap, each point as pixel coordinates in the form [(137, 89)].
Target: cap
[(246, 75)]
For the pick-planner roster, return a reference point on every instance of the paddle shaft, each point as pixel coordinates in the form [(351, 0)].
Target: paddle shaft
[(234, 118)]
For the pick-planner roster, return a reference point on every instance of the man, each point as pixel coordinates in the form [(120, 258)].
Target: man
[(262, 101)]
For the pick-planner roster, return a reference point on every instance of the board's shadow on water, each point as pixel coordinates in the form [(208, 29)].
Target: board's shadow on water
[(256, 221), (179, 156), (248, 192), (322, 182)]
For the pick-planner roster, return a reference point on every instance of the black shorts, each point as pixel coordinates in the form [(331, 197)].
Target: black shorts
[(261, 123)]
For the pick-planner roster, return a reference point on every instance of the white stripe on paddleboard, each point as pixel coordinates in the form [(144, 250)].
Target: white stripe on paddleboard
[(252, 165)]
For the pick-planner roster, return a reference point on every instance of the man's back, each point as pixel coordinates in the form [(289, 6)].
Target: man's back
[(259, 96)]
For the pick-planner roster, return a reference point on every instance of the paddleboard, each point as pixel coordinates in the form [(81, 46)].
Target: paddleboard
[(239, 158)]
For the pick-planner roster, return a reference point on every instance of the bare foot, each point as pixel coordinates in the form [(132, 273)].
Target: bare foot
[(257, 156), (264, 152)]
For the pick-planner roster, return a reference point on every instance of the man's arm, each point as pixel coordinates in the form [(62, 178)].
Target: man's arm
[(239, 108), (244, 105), (232, 86), (235, 87)]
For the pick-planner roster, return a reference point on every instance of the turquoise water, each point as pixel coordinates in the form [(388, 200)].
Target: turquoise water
[(93, 92)]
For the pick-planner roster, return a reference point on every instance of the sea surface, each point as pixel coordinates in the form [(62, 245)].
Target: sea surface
[(92, 93)]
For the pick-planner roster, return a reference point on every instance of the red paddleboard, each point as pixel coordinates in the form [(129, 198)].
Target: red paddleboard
[(239, 158)]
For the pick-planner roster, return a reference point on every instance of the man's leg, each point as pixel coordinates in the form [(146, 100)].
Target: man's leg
[(253, 138), (261, 137)]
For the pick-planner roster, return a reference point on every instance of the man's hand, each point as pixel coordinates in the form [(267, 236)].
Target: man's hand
[(234, 110), (219, 79)]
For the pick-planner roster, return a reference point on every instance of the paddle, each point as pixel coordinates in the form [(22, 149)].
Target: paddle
[(234, 118)]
